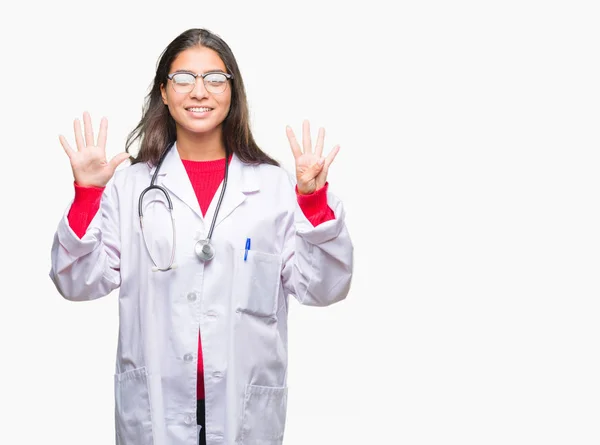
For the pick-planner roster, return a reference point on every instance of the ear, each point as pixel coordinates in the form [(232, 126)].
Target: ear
[(163, 93)]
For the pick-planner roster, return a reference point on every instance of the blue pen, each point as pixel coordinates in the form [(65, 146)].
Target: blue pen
[(247, 248)]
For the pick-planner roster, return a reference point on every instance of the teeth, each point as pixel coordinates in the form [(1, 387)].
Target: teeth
[(199, 110)]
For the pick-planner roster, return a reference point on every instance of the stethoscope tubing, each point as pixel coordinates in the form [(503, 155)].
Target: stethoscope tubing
[(204, 249)]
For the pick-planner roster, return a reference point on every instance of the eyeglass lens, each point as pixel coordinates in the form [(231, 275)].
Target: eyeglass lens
[(185, 82)]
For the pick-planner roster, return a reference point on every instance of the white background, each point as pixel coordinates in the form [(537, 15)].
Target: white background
[(469, 136)]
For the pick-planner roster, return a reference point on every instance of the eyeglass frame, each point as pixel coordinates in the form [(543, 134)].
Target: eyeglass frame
[(196, 75)]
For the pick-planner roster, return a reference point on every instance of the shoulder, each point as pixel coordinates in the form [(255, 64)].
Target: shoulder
[(272, 175), (130, 173), (127, 177)]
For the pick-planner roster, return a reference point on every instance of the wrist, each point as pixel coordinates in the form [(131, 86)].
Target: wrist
[(300, 190)]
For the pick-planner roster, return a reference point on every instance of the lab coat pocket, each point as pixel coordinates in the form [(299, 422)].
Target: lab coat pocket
[(132, 408), (256, 282), (264, 415)]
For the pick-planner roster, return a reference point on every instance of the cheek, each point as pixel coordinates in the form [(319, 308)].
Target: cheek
[(225, 103), (169, 105), (173, 104)]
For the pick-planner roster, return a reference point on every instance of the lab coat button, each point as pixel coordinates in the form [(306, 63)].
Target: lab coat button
[(188, 357), (189, 419), (191, 296)]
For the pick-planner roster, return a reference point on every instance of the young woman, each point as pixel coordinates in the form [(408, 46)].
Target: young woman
[(207, 237)]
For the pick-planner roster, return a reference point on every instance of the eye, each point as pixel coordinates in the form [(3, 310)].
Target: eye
[(184, 79), (215, 79)]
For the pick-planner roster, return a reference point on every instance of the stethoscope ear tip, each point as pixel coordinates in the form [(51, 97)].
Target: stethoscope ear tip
[(174, 266)]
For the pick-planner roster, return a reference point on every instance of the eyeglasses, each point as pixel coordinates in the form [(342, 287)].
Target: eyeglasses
[(184, 81)]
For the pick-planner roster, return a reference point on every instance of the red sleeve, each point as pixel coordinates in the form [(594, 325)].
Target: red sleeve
[(84, 208), (314, 206)]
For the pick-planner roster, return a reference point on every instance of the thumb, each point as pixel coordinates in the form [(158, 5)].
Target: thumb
[(317, 166), (118, 159)]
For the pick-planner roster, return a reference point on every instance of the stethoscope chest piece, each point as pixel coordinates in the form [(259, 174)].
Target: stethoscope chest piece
[(204, 250)]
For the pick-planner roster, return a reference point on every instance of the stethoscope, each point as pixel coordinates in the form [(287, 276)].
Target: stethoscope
[(203, 248)]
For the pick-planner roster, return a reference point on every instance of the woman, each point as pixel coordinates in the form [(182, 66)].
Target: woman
[(203, 299)]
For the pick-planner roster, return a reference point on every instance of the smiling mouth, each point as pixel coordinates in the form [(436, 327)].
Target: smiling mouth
[(199, 109)]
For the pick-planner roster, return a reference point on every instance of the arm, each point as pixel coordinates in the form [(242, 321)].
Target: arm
[(315, 207), (84, 207), (318, 261), (89, 267)]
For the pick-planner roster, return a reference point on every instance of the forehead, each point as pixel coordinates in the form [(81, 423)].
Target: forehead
[(198, 59)]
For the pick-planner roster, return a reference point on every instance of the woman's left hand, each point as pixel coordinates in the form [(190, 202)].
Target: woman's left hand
[(311, 167)]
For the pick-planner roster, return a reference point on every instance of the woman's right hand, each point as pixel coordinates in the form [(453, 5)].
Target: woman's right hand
[(88, 162)]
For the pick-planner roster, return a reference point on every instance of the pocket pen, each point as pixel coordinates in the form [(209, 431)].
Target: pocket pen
[(247, 249)]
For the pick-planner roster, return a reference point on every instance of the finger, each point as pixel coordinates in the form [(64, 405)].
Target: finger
[(88, 129), (330, 157), (65, 145), (78, 137), (293, 142), (320, 141), (102, 133), (118, 159), (322, 178), (306, 142)]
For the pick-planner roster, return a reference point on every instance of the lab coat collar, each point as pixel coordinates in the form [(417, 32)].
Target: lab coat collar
[(242, 179)]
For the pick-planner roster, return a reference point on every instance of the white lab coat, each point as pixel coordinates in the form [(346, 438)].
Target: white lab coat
[(240, 307)]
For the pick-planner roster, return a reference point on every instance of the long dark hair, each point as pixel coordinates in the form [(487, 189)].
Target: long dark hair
[(156, 129)]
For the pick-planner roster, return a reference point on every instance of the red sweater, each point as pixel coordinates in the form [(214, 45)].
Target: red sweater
[(205, 176)]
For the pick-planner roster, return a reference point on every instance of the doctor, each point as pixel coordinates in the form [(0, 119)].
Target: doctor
[(207, 237)]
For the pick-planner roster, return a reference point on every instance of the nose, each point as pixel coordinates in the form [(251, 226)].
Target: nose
[(199, 90)]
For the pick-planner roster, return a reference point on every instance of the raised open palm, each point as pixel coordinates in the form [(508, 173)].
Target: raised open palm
[(88, 162), (311, 166)]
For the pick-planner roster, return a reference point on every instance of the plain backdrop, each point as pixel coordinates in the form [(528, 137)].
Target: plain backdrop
[(469, 169)]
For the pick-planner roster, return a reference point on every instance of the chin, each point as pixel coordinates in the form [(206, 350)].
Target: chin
[(201, 127)]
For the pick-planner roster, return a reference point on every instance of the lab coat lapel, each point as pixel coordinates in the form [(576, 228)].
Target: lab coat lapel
[(174, 178), (242, 179)]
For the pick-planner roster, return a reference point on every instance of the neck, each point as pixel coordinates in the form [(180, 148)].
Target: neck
[(200, 147)]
